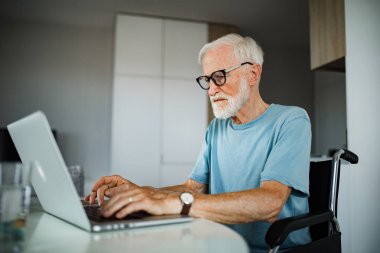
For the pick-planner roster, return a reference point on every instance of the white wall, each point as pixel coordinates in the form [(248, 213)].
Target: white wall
[(66, 72), (360, 199)]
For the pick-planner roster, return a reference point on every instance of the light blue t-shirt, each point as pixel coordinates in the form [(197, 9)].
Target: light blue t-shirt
[(275, 146)]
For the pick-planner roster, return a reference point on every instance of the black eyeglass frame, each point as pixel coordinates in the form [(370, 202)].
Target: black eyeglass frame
[(223, 71)]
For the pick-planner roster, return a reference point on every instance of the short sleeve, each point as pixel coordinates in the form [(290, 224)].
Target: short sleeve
[(288, 162), (201, 169)]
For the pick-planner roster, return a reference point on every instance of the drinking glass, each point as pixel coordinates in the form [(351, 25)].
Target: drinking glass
[(14, 204)]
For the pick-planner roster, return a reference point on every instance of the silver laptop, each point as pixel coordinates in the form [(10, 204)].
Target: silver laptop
[(55, 189)]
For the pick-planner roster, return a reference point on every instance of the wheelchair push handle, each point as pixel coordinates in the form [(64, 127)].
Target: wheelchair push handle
[(349, 156)]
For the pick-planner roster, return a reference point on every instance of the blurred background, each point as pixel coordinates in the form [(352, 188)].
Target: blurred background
[(63, 57)]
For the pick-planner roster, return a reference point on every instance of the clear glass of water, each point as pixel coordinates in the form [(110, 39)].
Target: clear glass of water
[(14, 204)]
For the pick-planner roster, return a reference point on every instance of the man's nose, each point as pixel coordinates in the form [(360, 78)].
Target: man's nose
[(213, 89)]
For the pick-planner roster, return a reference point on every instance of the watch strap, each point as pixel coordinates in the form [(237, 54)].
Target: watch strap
[(185, 209)]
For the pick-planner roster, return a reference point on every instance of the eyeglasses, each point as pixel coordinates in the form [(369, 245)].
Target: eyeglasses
[(218, 77)]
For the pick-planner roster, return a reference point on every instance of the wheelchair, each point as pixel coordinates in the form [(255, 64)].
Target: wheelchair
[(323, 203)]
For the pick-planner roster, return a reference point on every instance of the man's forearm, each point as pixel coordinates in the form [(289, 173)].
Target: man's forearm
[(189, 186), (261, 204), (176, 188), (173, 188)]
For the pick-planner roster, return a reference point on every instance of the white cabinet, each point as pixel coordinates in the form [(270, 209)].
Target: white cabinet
[(183, 40), (159, 114), (138, 45), (135, 135), (184, 121), (175, 174)]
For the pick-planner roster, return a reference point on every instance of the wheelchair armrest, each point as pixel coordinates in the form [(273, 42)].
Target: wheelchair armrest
[(279, 230)]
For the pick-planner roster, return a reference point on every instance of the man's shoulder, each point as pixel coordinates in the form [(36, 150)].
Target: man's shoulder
[(288, 113)]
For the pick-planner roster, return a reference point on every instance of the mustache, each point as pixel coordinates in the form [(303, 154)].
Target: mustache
[(219, 96)]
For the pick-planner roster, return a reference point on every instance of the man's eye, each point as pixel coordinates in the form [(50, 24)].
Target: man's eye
[(204, 79)]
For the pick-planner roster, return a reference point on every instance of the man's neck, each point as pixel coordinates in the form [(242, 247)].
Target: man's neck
[(250, 111)]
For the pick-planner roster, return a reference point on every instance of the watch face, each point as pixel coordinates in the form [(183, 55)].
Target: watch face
[(187, 198)]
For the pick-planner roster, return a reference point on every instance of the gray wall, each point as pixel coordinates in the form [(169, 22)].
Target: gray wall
[(287, 78), (66, 71), (330, 111)]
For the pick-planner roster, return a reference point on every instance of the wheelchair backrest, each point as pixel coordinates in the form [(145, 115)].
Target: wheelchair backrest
[(320, 187)]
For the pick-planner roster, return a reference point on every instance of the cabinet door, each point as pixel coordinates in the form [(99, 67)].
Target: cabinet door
[(183, 40), (159, 113), (175, 174), (138, 46), (135, 144), (184, 121), (327, 32)]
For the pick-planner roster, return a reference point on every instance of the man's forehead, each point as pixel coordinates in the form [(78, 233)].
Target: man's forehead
[(218, 58)]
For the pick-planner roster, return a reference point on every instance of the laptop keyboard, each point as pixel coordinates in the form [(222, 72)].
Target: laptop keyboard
[(93, 213)]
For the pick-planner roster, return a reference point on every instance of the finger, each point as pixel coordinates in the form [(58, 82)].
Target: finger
[(123, 194), (92, 197), (100, 193), (111, 181), (121, 201), (102, 181), (131, 208), (87, 198), (112, 191), (111, 209)]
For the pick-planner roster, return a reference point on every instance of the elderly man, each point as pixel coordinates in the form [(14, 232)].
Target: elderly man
[(254, 164)]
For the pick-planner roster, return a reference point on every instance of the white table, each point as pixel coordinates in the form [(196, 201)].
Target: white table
[(47, 233)]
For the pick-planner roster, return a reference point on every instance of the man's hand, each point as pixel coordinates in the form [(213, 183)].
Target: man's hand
[(109, 186), (151, 200)]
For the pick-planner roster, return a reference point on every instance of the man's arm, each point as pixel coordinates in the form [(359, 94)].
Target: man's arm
[(111, 185), (261, 204), (189, 186)]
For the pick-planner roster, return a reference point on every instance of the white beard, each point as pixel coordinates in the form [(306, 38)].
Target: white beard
[(234, 104)]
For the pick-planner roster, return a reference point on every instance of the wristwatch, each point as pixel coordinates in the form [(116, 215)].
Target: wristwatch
[(187, 200)]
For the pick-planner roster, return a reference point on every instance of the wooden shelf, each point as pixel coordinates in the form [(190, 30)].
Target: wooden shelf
[(327, 32)]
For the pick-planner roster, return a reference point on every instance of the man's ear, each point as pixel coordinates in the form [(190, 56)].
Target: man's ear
[(255, 74)]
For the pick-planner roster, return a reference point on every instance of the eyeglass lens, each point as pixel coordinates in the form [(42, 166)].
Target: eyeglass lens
[(218, 77)]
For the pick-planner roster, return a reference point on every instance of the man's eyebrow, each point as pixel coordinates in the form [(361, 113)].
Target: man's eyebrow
[(219, 69)]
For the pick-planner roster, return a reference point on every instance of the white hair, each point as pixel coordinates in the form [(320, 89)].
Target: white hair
[(245, 48)]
